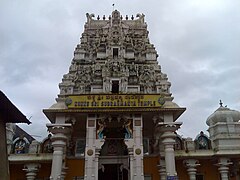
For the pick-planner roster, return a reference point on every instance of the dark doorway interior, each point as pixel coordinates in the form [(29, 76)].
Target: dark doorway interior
[(199, 177), (115, 52), (112, 172), (115, 86)]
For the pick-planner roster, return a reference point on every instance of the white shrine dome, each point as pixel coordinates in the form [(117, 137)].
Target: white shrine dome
[(223, 114)]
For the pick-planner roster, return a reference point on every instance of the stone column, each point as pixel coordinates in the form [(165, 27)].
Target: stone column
[(130, 144), (191, 165), (224, 168), (98, 146), (168, 140), (31, 170), (59, 139), (162, 169), (138, 147), (91, 173), (97, 153), (130, 151)]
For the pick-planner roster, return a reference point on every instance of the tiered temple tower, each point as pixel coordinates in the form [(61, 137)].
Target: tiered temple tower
[(115, 116)]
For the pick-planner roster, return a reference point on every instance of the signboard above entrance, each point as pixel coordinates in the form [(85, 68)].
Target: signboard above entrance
[(115, 101)]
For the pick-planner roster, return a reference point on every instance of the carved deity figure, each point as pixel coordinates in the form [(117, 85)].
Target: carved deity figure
[(20, 146), (115, 17), (128, 130), (89, 17), (101, 127), (107, 85), (141, 17), (115, 67), (124, 83), (73, 67), (133, 70), (148, 87)]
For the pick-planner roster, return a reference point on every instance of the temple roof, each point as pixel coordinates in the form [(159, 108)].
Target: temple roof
[(223, 114), (9, 112)]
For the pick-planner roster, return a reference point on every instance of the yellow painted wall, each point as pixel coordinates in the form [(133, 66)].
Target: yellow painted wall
[(17, 172), (207, 168), (45, 170), (150, 167), (76, 168), (181, 170)]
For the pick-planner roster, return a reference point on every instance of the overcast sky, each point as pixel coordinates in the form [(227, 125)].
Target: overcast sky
[(198, 42)]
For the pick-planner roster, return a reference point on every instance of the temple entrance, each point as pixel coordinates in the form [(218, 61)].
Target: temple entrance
[(114, 143), (114, 131), (113, 159), (112, 172)]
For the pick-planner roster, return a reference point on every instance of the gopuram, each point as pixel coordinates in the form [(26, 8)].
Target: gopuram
[(115, 111)]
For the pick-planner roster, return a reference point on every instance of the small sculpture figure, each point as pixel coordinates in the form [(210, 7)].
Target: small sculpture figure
[(20, 146), (89, 17), (100, 131), (141, 17), (127, 127)]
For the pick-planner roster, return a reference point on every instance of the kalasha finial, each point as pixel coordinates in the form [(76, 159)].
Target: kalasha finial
[(221, 104), (113, 7)]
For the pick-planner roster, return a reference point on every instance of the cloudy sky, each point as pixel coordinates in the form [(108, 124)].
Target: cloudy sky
[(198, 42)]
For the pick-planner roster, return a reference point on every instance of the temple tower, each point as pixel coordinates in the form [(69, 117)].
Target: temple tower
[(115, 103)]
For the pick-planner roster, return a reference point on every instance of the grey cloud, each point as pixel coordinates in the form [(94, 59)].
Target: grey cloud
[(198, 43)]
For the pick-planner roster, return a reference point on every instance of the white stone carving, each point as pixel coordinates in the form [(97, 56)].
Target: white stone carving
[(114, 48)]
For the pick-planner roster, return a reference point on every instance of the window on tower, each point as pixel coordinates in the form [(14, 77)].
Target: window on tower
[(115, 52), (115, 86)]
